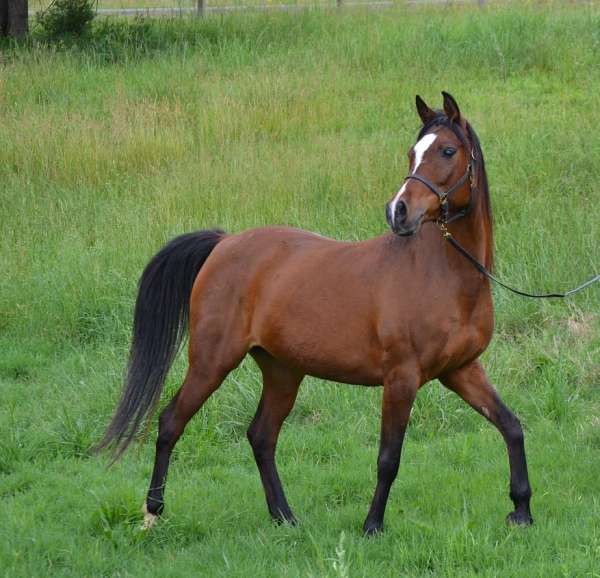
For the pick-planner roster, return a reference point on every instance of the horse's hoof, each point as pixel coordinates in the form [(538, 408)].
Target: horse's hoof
[(371, 529), (149, 518), (519, 519)]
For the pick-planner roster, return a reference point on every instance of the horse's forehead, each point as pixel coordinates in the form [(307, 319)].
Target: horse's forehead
[(424, 143), (422, 146), (437, 133)]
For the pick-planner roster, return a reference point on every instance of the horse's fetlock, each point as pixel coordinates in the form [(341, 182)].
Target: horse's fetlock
[(154, 507), (520, 494)]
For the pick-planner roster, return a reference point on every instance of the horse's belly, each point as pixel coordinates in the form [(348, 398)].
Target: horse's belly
[(325, 344), (321, 360)]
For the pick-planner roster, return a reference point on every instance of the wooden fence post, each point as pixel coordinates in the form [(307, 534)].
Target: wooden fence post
[(200, 6)]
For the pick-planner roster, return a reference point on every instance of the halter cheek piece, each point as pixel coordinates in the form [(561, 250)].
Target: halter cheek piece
[(443, 196)]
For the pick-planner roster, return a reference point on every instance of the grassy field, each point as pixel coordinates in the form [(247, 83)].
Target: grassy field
[(110, 148)]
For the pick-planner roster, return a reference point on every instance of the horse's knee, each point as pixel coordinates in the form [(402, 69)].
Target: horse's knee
[(260, 446), (513, 432), (510, 426), (387, 466), (259, 442)]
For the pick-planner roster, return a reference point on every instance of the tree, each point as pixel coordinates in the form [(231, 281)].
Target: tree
[(14, 18)]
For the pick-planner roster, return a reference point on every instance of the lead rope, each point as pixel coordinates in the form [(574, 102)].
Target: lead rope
[(448, 236)]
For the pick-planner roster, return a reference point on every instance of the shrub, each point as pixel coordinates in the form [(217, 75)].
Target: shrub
[(66, 17)]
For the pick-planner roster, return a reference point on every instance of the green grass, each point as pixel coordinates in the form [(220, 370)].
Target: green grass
[(111, 146)]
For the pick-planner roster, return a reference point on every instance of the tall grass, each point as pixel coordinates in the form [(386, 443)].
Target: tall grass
[(146, 129)]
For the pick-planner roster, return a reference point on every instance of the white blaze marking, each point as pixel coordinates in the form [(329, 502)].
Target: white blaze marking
[(420, 148)]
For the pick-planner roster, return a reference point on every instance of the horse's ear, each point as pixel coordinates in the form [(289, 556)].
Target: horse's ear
[(451, 108), (424, 111)]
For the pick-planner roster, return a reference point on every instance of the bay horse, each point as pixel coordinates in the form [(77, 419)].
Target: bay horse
[(398, 310)]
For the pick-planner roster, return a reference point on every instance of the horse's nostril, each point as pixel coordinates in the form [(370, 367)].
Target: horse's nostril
[(401, 211)]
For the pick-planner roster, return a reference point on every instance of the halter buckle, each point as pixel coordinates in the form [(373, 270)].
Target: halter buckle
[(444, 230)]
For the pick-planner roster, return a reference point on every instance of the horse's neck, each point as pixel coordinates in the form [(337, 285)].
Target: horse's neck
[(473, 232)]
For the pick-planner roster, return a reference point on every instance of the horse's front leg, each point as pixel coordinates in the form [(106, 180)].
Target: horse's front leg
[(399, 392), (472, 384)]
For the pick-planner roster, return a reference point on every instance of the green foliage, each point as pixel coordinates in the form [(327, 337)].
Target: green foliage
[(66, 18), (140, 130)]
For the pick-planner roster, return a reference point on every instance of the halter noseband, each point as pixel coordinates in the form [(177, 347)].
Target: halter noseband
[(443, 196)]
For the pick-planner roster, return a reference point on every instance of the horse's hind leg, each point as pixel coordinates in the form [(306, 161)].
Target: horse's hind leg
[(471, 383), (196, 389), (280, 387)]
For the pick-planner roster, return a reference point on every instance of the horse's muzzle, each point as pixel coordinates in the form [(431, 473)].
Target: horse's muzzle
[(399, 223)]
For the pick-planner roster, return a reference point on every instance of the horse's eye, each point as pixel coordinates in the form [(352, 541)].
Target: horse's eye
[(448, 152)]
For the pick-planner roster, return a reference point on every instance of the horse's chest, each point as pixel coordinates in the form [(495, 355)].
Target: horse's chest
[(444, 335), (463, 335)]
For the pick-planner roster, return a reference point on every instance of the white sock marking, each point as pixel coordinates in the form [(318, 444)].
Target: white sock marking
[(149, 519)]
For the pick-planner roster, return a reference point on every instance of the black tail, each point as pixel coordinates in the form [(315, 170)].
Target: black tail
[(159, 326)]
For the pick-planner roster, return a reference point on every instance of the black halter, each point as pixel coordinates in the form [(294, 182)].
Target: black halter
[(443, 196)]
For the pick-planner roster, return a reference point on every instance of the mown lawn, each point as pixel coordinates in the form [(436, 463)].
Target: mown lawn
[(112, 145)]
